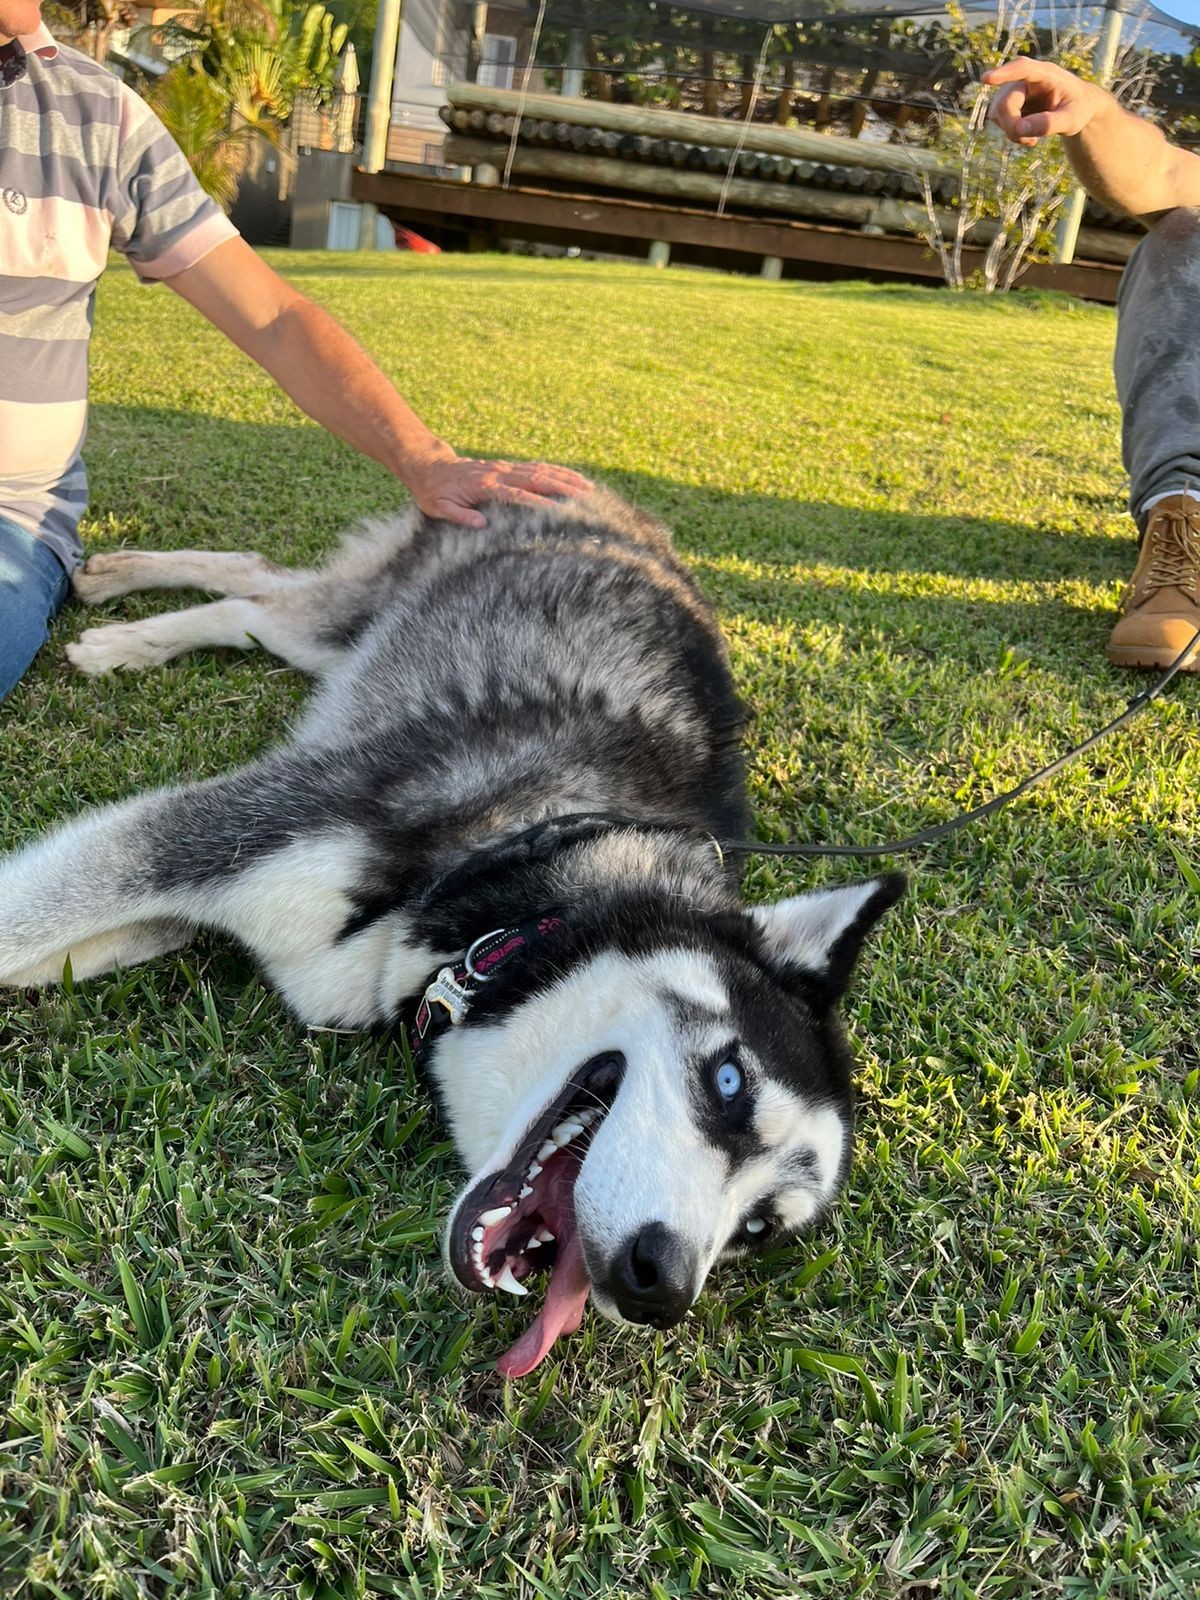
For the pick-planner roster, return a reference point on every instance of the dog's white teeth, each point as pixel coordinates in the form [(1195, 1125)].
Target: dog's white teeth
[(525, 1193), (488, 1280), (477, 1234), (565, 1132), (587, 1116), (497, 1214), (534, 1244), (545, 1236), (507, 1281), (548, 1149), (755, 1225), (534, 1172)]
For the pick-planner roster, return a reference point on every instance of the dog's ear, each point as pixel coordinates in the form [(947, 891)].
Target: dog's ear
[(818, 936)]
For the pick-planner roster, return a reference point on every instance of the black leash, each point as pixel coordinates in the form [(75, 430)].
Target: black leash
[(449, 994), (917, 841), (541, 840)]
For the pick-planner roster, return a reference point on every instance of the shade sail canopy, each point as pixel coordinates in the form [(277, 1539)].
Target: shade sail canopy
[(1159, 30)]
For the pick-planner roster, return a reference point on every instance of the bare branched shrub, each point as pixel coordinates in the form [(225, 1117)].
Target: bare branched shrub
[(1008, 195)]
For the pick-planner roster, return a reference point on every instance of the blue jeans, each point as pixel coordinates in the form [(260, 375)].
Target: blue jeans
[(33, 586)]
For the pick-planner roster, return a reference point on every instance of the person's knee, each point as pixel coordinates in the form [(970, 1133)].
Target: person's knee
[(33, 585), (1175, 238), (1162, 280)]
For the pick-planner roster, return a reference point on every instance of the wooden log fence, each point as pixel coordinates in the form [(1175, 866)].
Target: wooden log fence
[(656, 123), (815, 194), (897, 183), (700, 158)]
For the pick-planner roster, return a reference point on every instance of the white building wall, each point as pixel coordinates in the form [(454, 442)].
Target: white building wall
[(426, 59)]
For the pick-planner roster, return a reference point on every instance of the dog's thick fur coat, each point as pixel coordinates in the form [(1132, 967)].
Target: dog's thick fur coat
[(473, 685)]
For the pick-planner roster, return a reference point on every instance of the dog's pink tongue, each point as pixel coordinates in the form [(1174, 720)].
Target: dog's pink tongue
[(562, 1313)]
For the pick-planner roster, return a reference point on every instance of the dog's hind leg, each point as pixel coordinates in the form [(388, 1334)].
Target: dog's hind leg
[(286, 622), (235, 572), (270, 855), (84, 892)]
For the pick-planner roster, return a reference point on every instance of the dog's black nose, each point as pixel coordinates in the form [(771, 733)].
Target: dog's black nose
[(652, 1277)]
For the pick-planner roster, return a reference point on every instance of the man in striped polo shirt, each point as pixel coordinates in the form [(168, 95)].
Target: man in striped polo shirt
[(85, 166)]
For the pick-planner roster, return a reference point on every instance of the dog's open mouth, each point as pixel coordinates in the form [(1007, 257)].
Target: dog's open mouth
[(521, 1219)]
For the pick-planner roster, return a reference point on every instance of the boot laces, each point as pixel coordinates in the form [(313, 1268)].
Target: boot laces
[(1175, 558)]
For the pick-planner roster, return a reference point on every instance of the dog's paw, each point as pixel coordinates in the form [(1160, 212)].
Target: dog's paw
[(124, 644), (103, 577)]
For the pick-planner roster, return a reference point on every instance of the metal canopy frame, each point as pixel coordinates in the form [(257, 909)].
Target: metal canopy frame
[(598, 16)]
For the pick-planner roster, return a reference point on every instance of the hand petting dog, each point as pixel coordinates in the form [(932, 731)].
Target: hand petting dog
[(451, 486)]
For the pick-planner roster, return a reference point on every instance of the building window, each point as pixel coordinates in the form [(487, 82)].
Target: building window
[(499, 62)]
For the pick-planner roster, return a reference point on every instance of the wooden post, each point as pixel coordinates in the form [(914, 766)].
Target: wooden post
[(601, 79), (859, 115), (660, 253), (822, 118), (708, 69), (783, 106), (772, 268), (379, 106), (572, 78)]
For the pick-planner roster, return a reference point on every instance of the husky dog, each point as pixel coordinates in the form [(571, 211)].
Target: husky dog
[(522, 751)]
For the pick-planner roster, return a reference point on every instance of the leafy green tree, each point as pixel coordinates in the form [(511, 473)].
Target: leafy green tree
[(239, 65)]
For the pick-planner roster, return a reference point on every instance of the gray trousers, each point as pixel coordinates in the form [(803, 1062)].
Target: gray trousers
[(1157, 361)]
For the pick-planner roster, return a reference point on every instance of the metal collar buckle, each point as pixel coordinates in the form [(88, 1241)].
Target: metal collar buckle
[(469, 958)]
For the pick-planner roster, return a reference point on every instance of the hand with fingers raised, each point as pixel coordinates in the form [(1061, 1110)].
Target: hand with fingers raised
[(451, 486), (1036, 98)]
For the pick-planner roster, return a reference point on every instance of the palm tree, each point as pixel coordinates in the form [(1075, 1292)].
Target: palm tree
[(239, 65), (262, 52), (197, 111)]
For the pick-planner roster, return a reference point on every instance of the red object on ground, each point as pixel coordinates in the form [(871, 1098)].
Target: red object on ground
[(406, 239)]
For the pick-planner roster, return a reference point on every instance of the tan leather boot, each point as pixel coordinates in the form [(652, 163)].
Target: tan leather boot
[(1161, 606)]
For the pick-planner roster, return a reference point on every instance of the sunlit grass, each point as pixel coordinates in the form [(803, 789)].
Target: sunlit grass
[(234, 1365)]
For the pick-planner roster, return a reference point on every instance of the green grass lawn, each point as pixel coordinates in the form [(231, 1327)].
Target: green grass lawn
[(230, 1359)]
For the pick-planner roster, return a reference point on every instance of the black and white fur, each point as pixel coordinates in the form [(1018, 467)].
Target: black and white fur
[(470, 684)]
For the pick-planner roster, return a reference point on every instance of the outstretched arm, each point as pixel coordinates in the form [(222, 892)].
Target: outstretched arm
[(1121, 160), (331, 377)]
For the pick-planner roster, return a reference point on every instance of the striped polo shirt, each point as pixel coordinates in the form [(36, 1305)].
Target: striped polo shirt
[(85, 166)]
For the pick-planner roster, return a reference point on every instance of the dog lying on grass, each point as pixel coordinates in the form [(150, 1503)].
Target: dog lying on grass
[(500, 808)]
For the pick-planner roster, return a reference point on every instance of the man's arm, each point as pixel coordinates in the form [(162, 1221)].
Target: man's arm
[(330, 376), (1121, 160)]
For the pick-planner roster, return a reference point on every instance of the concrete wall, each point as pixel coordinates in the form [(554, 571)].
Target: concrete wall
[(321, 176)]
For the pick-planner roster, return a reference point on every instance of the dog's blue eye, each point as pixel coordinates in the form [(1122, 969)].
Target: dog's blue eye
[(729, 1080)]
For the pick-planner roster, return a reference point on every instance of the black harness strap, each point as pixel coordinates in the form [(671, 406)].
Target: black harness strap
[(448, 995)]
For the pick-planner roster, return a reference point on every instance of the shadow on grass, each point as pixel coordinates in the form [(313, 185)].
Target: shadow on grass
[(200, 466), (920, 580)]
